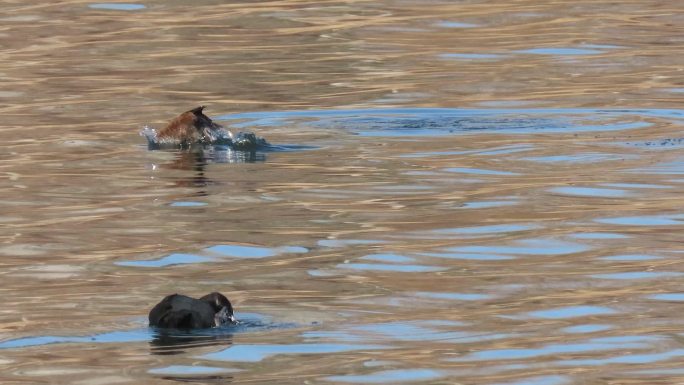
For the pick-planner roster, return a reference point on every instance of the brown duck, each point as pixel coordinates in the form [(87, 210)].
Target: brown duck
[(189, 127)]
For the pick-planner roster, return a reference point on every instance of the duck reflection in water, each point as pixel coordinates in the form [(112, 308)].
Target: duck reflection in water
[(174, 341), (196, 158)]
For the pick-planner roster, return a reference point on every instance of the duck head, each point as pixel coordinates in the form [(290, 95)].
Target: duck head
[(222, 308)]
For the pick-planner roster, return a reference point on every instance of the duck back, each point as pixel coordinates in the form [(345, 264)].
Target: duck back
[(182, 312)]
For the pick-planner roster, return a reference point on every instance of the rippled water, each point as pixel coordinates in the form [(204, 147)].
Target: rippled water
[(472, 192)]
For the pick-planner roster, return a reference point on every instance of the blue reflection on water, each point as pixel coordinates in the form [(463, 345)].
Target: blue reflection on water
[(590, 192), (667, 297), (387, 267), (540, 380), (645, 220), (188, 204), (248, 322), (347, 242), (536, 246), (588, 328), (631, 257), (625, 359), (593, 345), (638, 275), (119, 336), (455, 24), (390, 376), (637, 185), (478, 171), (169, 260), (598, 236), (472, 56), (412, 331), (176, 370), (443, 121), (571, 312), (454, 296), (256, 353), (117, 6), (479, 256), (424, 330), (580, 158), (485, 230), (241, 251), (560, 51), (491, 151), (236, 251), (488, 204), (395, 258)]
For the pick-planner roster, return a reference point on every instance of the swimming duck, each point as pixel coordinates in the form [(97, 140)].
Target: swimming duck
[(182, 312), (192, 126)]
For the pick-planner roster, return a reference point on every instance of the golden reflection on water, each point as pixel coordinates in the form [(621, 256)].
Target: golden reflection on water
[(538, 253)]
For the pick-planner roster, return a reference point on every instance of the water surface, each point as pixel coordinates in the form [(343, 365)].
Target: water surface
[(480, 192)]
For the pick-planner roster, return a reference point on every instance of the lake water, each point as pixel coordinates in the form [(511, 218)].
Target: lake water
[(472, 192)]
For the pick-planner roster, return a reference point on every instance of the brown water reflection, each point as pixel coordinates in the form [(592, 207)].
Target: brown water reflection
[(536, 241)]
